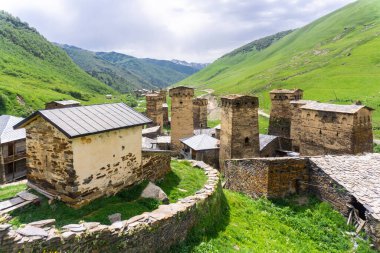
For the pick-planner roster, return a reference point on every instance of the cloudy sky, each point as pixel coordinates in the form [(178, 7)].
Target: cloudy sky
[(192, 30)]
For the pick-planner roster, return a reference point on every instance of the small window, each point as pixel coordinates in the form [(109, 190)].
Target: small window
[(320, 131), (246, 141)]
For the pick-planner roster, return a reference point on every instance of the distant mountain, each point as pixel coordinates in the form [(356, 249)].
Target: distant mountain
[(333, 59), (34, 71), (198, 66), (125, 73)]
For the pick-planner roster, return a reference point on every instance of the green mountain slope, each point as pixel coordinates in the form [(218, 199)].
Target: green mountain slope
[(34, 71), (125, 73), (335, 59)]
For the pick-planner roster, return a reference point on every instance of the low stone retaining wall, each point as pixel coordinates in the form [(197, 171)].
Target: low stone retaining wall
[(155, 231)]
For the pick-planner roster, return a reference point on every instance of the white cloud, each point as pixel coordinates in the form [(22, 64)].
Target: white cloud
[(193, 30)]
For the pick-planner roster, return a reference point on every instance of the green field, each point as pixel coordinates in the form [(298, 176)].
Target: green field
[(334, 59), (297, 224)]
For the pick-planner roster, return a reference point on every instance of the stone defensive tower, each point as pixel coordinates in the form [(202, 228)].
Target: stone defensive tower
[(165, 109), (200, 112), (281, 113), (239, 136), (182, 124), (163, 94), (154, 109)]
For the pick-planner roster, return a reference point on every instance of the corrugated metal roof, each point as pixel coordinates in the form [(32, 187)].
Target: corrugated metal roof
[(265, 140), (334, 108), (86, 120), (201, 142), (163, 139), (67, 102), (150, 130), (7, 133)]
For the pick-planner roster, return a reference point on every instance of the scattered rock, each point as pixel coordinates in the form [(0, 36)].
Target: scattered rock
[(4, 227), (154, 192), (32, 231), (74, 227), (42, 223), (114, 217)]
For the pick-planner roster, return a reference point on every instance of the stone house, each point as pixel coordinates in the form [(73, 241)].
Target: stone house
[(202, 148), (79, 154), (239, 134), (62, 104), (182, 124), (200, 113), (280, 113), (334, 129), (154, 109), (12, 150)]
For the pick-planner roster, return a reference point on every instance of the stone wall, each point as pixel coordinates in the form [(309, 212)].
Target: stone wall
[(155, 164), (208, 156), (154, 109), (270, 177), (156, 231)]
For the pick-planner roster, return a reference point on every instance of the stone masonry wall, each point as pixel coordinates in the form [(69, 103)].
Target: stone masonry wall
[(270, 177), (50, 162), (155, 231), (155, 164), (200, 113), (154, 109)]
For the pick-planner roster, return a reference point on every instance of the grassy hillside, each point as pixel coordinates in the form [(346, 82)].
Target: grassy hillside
[(334, 59), (125, 73), (34, 71)]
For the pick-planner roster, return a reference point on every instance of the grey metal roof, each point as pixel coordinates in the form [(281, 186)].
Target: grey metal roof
[(301, 101), (67, 102), (265, 140), (285, 91), (208, 131), (147, 143), (86, 120), (162, 139), (150, 130), (7, 133), (334, 108), (201, 142)]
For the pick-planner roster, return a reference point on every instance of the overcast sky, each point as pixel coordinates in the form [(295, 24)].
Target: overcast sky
[(192, 30)]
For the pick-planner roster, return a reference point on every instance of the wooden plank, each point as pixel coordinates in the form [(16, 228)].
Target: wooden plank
[(15, 207), (39, 190), (350, 217), (27, 196), (10, 202), (361, 225)]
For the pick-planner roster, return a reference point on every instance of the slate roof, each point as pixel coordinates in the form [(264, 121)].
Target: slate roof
[(147, 143), (265, 140), (150, 130), (201, 142), (285, 91), (350, 109), (7, 133), (359, 175), (85, 120), (162, 139), (208, 131)]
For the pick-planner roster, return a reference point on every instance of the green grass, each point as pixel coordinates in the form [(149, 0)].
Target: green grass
[(10, 191), (247, 225), (183, 181), (263, 124), (376, 148), (334, 59), (213, 123)]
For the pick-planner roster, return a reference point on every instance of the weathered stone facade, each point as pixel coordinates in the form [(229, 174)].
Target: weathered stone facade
[(163, 94), (155, 231), (334, 129), (281, 114), (239, 136), (72, 168), (154, 109), (182, 124), (296, 123), (270, 177), (155, 164), (200, 113)]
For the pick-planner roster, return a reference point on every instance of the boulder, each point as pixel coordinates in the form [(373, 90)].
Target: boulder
[(152, 191), (114, 217)]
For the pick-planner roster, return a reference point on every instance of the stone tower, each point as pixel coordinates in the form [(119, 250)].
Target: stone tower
[(182, 124), (165, 108), (239, 136), (163, 94), (281, 113), (154, 109), (200, 112)]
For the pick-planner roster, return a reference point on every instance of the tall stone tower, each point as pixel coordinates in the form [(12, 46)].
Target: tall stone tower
[(182, 124), (154, 109), (281, 113), (165, 108), (200, 112), (239, 136), (163, 94)]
